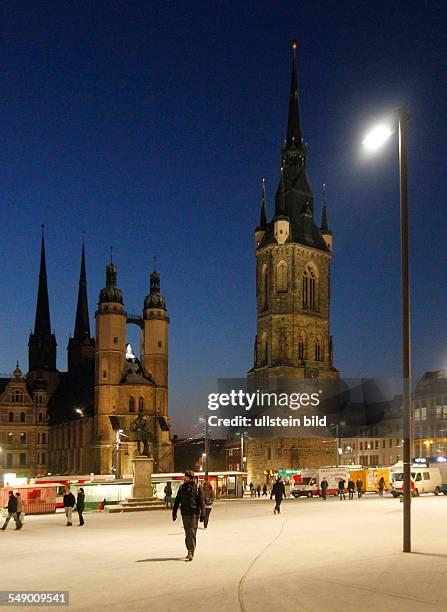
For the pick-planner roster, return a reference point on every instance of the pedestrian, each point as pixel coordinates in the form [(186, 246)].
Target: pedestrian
[(264, 490), (359, 487), (191, 501), (252, 490), (168, 494), (208, 494), (381, 486), (324, 487), (351, 488), (341, 489), (69, 504), (19, 508), (80, 505), (279, 491), (12, 511), (258, 490)]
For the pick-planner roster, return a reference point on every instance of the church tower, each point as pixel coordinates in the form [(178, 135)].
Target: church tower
[(110, 361), (293, 268), (155, 333), (81, 348)]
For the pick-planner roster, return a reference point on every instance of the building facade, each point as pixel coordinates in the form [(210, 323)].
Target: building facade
[(69, 422), (293, 273)]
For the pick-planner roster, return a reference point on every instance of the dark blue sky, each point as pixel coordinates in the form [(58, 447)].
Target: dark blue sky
[(150, 124)]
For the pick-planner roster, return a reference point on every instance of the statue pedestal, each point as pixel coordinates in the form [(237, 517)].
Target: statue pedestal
[(142, 468)]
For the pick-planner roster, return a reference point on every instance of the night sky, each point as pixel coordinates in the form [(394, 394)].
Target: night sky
[(150, 124)]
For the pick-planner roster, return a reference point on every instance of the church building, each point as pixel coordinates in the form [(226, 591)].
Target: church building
[(79, 421)]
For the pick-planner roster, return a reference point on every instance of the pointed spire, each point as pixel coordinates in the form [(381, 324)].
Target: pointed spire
[(42, 324), (263, 215), (82, 323), (42, 343), (293, 123), (324, 224)]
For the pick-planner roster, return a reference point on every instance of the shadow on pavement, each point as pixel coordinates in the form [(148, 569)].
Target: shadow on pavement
[(161, 559), (427, 554)]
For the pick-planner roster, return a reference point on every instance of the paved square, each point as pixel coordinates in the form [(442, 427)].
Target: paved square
[(315, 556)]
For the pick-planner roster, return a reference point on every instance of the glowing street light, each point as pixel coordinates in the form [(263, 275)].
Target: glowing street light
[(373, 141), (377, 137)]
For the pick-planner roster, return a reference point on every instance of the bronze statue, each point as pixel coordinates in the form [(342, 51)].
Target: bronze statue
[(139, 427)]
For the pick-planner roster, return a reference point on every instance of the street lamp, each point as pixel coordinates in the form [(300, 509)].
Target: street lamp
[(372, 142)]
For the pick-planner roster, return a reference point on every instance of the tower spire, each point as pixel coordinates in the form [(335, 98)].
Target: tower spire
[(42, 323), (293, 123), (42, 343), (82, 324)]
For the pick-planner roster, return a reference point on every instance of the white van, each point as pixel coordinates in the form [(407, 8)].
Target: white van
[(424, 479)]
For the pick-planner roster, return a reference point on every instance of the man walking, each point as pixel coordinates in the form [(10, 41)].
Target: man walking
[(191, 501), (324, 487), (80, 505), (69, 504), (12, 512), (381, 486), (279, 491)]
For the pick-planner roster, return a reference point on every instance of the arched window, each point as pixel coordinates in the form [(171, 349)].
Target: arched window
[(281, 276), (317, 350), (140, 404), (264, 287), (310, 289), (11, 417), (22, 417), (301, 349), (17, 396), (131, 404)]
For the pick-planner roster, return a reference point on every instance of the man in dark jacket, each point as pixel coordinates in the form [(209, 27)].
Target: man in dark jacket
[(324, 487), (69, 504), (191, 501), (80, 505), (12, 511), (279, 491)]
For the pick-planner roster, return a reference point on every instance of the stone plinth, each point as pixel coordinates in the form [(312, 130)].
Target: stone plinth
[(142, 478)]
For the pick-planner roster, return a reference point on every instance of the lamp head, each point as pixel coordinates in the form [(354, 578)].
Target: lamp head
[(377, 137)]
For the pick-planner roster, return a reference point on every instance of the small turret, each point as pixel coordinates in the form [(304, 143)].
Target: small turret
[(111, 293)]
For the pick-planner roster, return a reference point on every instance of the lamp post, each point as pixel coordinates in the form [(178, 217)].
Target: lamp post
[(372, 142)]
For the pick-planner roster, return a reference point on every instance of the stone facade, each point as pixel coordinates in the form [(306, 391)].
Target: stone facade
[(293, 272), (24, 430)]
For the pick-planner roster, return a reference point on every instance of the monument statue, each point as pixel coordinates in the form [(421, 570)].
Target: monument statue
[(140, 428)]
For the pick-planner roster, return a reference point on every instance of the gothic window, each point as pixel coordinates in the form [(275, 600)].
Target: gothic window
[(317, 350), (281, 277), (131, 404), (140, 404), (11, 417), (310, 289), (17, 396), (23, 438), (44, 438), (40, 417), (22, 417), (301, 349)]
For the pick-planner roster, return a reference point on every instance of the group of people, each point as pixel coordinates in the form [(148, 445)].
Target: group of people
[(15, 510), (195, 502), (352, 488), (70, 502)]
